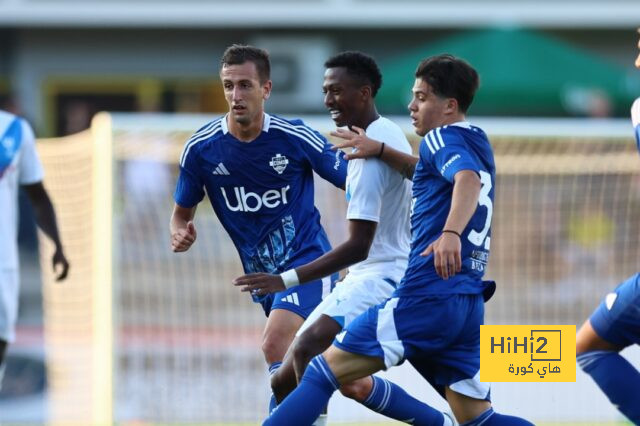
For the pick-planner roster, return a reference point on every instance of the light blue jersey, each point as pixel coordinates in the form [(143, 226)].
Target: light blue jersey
[(262, 191), (445, 151)]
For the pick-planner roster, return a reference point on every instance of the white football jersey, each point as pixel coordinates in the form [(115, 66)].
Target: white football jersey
[(19, 165), (378, 193)]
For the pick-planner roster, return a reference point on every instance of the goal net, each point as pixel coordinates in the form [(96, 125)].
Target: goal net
[(141, 334)]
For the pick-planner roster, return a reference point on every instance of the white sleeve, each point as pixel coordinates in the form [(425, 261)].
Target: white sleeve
[(30, 168), (366, 183), (635, 113)]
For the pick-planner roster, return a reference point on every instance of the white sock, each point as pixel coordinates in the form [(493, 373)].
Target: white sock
[(320, 421)]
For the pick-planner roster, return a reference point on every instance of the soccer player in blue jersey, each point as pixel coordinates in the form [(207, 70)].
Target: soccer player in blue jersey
[(257, 170), (613, 326), (434, 317), (376, 250)]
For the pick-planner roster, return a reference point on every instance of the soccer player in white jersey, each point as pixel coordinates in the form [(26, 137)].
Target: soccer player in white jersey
[(20, 166), (376, 252), (433, 318), (257, 170), (613, 326)]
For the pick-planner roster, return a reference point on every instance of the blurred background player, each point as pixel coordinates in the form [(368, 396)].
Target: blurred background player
[(257, 170), (434, 317), (614, 325), (20, 166), (376, 251)]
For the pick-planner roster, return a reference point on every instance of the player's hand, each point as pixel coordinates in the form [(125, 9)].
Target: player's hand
[(260, 284), (60, 265), (183, 238), (356, 138), (446, 254)]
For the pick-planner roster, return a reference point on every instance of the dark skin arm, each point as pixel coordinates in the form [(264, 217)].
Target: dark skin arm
[(366, 147), (46, 219), (354, 250)]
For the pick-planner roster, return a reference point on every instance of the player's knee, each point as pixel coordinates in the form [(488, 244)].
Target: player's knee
[(357, 390), (273, 349), (303, 350)]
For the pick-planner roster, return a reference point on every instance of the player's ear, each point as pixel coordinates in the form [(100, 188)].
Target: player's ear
[(266, 90), (365, 92), (451, 107)]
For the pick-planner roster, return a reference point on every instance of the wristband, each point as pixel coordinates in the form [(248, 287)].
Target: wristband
[(290, 278), (452, 232), (381, 151)]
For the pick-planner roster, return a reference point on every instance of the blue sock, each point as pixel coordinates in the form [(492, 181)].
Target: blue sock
[(392, 401), (303, 406), (617, 379), (273, 403), (491, 418)]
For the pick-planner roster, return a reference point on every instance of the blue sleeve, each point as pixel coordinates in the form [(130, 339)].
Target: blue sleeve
[(190, 187), (448, 153), (329, 164), (638, 137)]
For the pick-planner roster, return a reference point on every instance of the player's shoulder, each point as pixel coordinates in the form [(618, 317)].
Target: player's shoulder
[(635, 112), (390, 133), (7, 118), (296, 131), (211, 131)]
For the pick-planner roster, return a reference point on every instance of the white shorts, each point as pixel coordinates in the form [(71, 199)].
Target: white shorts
[(9, 291), (351, 297)]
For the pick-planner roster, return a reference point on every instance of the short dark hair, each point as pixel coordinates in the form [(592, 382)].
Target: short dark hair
[(450, 77), (360, 66), (238, 54)]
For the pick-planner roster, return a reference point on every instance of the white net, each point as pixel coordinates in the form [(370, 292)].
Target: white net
[(186, 343)]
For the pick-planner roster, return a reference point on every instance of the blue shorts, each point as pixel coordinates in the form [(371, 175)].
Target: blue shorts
[(301, 299), (617, 319), (438, 334)]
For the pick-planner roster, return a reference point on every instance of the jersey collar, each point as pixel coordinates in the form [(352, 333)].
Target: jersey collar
[(265, 124), (464, 124)]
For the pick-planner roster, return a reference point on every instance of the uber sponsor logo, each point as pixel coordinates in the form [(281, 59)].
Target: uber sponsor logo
[(243, 201)]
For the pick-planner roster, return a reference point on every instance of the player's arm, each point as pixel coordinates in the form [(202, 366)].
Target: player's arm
[(366, 147), (328, 164), (46, 219), (366, 188), (354, 250), (183, 231), (454, 162), (447, 247)]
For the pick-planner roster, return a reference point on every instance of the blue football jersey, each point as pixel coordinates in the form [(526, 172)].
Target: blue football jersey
[(262, 191), (445, 151)]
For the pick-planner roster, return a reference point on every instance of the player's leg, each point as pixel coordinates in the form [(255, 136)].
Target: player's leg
[(9, 290), (303, 406), (614, 325), (313, 341), (286, 311), (449, 357), (278, 334)]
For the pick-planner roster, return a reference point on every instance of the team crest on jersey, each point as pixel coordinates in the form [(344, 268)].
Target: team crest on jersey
[(279, 163)]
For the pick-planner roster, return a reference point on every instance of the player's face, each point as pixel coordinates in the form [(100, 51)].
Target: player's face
[(244, 92), (342, 96), (427, 110)]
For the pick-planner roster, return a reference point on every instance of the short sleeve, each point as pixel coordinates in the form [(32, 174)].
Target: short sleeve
[(30, 167), (190, 186), (327, 163), (448, 153), (366, 183)]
